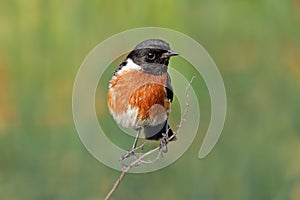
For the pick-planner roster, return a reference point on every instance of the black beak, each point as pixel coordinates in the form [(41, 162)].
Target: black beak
[(170, 53)]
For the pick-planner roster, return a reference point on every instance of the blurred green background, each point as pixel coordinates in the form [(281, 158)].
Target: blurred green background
[(256, 45)]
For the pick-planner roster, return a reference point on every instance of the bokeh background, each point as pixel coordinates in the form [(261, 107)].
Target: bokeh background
[(256, 45)]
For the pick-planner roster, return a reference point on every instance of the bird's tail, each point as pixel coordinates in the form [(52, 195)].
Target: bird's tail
[(156, 132)]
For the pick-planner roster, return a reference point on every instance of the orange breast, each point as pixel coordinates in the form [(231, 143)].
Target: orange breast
[(135, 89), (150, 96)]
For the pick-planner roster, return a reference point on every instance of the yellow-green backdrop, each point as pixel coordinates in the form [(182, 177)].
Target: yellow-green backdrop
[(256, 45)]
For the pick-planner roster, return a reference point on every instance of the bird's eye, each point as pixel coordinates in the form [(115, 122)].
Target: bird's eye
[(151, 56)]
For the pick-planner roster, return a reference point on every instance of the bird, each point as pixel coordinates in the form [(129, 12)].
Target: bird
[(140, 91)]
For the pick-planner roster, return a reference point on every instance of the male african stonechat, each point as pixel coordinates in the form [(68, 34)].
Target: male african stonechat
[(140, 91)]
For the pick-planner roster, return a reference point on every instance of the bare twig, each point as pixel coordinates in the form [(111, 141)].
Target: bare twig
[(127, 169), (130, 153), (144, 155), (183, 118)]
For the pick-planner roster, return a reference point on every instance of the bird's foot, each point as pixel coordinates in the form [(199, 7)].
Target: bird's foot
[(163, 147), (129, 154)]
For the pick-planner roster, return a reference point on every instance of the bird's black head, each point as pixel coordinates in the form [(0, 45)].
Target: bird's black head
[(152, 56)]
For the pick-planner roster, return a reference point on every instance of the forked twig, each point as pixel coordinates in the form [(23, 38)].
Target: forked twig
[(144, 155)]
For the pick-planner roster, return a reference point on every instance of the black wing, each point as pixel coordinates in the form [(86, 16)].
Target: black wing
[(169, 89)]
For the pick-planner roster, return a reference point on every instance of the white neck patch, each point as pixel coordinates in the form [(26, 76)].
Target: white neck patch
[(130, 65)]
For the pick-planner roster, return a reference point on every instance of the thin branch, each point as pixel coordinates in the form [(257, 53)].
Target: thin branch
[(144, 155), (183, 118), (127, 169)]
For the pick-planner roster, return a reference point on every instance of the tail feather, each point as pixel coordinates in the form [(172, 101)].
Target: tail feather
[(156, 132)]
